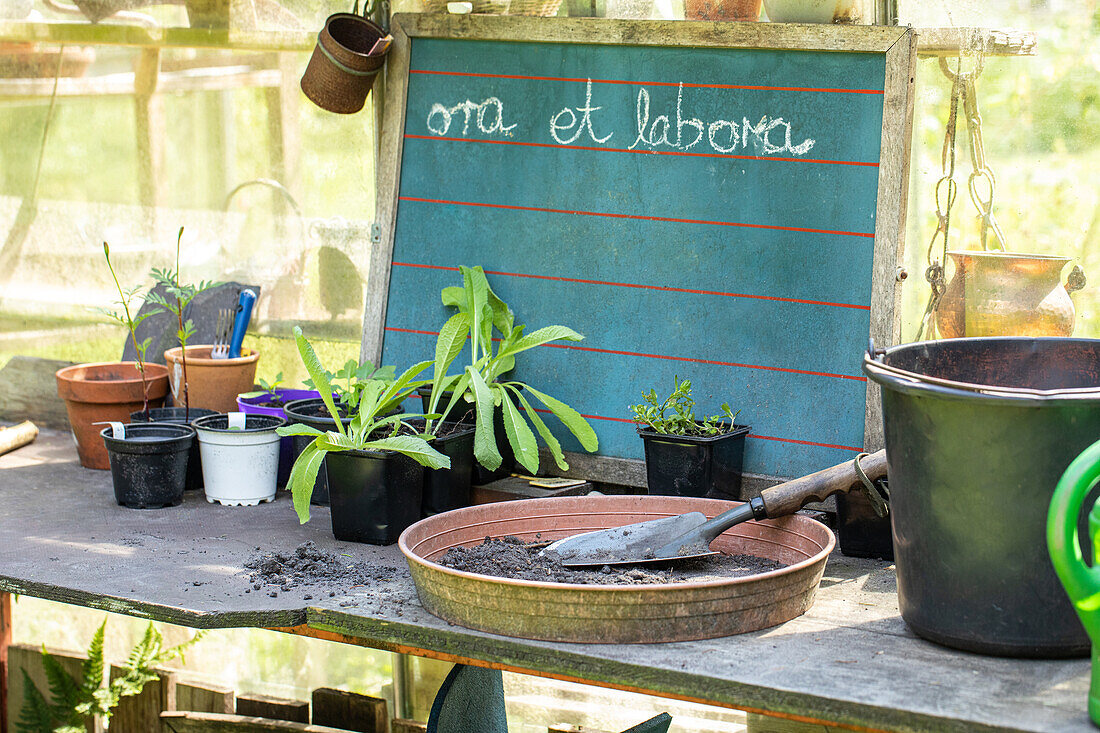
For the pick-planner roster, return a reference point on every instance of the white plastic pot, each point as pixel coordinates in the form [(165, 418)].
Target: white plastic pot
[(240, 457)]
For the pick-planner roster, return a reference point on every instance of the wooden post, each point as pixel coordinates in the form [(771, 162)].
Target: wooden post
[(5, 642), (276, 708), (149, 124), (349, 710), (141, 713)]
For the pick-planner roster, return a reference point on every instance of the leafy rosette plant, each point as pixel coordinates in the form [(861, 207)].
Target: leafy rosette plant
[(480, 311), (655, 413), (376, 397)]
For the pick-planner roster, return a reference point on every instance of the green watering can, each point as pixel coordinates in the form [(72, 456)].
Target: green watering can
[(1082, 582)]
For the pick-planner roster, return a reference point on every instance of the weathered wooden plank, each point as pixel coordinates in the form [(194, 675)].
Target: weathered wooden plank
[(350, 710), (514, 488), (5, 643), (204, 698), (189, 722), (276, 708), (28, 391), (975, 41), (403, 725), (28, 657), (141, 713), (764, 724), (17, 436)]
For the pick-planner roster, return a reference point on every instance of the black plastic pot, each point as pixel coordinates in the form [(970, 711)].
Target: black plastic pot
[(449, 488), (468, 416), (149, 465), (176, 416), (374, 495), (689, 465), (861, 532), (305, 412)]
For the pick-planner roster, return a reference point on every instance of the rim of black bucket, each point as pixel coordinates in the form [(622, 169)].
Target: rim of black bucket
[(736, 431), (253, 423), (914, 383)]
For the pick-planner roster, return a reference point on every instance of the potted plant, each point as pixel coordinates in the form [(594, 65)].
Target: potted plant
[(179, 416), (480, 311), (686, 456), (240, 457), (110, 391), (312, 411), (375, 463), (199, 379)]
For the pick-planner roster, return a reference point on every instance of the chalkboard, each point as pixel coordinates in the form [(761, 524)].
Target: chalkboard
[(718, 201)]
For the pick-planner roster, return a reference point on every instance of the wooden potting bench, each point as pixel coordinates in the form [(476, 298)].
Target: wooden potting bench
[(849, 662)]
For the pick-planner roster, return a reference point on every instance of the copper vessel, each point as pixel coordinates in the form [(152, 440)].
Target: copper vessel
[(1005, 294), (614, 614)]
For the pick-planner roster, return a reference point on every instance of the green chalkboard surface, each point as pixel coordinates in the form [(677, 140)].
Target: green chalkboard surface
[(721, 202)]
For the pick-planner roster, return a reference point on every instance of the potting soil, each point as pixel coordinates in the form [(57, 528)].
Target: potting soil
[(309, 567), (511, 557)]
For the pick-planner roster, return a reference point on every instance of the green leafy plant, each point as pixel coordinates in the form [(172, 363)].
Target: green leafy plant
[(268, 388), (676, 414), (375, 398), (176, 300), (348, 383), (480, 311), (75, 701), (130, 300)]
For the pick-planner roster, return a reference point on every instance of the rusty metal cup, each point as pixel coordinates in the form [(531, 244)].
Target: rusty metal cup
[(343, 68)]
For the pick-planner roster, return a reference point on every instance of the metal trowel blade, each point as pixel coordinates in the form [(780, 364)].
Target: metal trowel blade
[(630, 544)]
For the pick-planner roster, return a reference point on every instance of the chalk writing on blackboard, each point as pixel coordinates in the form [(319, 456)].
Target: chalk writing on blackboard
[(768, 136)]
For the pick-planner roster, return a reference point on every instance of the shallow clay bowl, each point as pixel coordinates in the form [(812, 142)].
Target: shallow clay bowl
[(614, 613)]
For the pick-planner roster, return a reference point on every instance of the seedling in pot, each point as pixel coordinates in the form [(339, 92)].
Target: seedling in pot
[(178, 298), (348, 383), (681, 421), (374, 397), (480, 311), (131, 318)]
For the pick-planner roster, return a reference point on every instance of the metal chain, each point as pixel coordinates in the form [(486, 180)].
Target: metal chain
[(981, 175), (946, 190)]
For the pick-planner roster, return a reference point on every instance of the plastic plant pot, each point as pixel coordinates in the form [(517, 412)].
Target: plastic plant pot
[(149, 463), (694, 465), (239, 464), (480, 475), (179, 416), (311, 412), (258, 405), (375, 495), (449, 488)]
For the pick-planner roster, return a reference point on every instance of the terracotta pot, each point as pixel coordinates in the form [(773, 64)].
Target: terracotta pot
[(212, 384), (342, 70), (1005, 294), (107, 391), (814, 11), (721, 9)]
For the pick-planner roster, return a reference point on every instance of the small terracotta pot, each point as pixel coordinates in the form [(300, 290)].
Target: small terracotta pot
[(105, 391), (722, 9), (342, 70), (212, 384)]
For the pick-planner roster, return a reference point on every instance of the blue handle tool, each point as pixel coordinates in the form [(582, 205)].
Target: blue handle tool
[(240, 325)]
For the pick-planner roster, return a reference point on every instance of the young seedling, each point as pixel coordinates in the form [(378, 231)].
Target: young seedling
[(681, 421), (176, 301), (348, 383), (130, 300)]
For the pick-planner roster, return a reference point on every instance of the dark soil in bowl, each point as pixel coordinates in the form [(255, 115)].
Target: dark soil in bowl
[(511, 557)]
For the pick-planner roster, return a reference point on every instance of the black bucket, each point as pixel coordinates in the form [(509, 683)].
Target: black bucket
[(978, 432)]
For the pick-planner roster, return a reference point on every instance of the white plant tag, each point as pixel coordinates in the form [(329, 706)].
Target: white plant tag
[(177, 377), (118, 430), (236, 420)]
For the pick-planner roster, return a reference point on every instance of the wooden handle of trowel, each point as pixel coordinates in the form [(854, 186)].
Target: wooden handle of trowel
[(789, 497), (17, 436)]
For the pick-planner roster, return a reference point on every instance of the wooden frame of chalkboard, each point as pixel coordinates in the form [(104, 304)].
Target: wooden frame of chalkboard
[(749, 238)]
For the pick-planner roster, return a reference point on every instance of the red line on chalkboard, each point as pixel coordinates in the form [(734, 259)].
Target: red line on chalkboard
[(689, 85), (675, 220), (668, 358), (640, 152), (643, 287)]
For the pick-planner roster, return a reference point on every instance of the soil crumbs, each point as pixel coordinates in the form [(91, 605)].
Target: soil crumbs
[(511, 557), (309, 567)]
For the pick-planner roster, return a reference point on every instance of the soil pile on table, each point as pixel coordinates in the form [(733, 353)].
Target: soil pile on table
[(511, 557), (310, 567)]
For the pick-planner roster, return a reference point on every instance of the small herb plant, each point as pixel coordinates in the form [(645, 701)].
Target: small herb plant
[(375, 397), (480, 311), (176, 302), (676, 414), (75, 701), (130, 300), (348, 383)]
